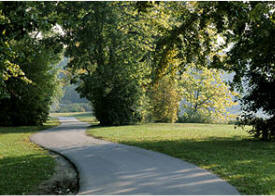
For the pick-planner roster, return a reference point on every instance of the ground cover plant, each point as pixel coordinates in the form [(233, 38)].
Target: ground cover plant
[(23, 165), (247, 164)]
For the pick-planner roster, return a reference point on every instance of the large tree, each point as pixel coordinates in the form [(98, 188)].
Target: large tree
[(18, 20), (30, 47), (28, 102), (106, 47), (252, 58)]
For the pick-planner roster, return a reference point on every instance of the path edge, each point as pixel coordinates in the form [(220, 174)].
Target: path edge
[(63, 156)]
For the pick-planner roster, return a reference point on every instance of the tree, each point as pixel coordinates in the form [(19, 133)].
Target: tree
[(29, 44), (252, 59), (107, 46), (165, 92), (206, 97), (193, 36), (164, 100), (28, 103), (18, 20), (256, 65)]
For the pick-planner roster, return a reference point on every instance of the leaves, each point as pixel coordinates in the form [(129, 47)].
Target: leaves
[(28, 78), (205, 93)]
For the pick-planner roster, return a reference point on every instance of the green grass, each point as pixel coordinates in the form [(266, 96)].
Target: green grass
[(247, 164), (23, 165), (83, 116)]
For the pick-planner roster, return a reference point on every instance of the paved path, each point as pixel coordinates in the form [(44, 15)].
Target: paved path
[(108, 168)]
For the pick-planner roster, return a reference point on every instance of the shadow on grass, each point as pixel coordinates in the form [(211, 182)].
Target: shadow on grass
[(249, 165), (24, 129), (21, 174)]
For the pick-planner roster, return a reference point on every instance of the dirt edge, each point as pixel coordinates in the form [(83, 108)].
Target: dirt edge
[(64, 181)]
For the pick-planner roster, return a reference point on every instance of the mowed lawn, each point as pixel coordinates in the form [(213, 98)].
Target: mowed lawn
[(23, 165), (247, 164)]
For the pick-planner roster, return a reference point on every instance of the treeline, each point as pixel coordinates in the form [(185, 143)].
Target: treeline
[(70, 101), (134, 61)]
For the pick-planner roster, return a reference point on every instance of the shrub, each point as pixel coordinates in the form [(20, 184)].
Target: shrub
[(263, 129), (191, 116)]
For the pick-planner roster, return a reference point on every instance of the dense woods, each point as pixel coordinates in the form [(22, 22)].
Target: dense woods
[(135, 61)]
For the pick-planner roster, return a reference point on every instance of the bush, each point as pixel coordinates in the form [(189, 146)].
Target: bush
[(263, 129), (193, 117)]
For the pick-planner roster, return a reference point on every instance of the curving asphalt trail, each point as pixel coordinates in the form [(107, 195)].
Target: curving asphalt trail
[(109, 168)]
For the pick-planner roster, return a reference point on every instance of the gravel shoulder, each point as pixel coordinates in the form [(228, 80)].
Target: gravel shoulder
[(63, 182)]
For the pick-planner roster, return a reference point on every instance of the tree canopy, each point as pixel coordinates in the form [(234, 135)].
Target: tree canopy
[(206, 97), (29, 49), (119, 51)]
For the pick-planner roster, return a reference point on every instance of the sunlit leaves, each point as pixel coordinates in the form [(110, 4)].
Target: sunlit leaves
[(164, 100), (204, 92)]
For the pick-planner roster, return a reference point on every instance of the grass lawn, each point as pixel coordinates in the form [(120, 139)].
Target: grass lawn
[(23, 165)]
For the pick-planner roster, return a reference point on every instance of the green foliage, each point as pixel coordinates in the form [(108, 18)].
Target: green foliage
[(30, 46), (190, 36), (73, 107), (71, 96), (116, 105), (253, 57), (19, 20), (191, 116), (164, 100), (117, 49), (113, 79), (247, 29), (263, 129), (205, 95), (234, 36), (70, 101), (28, 103)]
